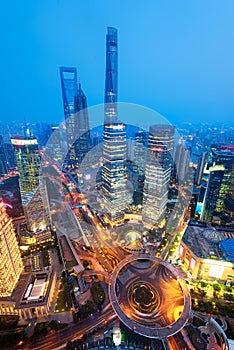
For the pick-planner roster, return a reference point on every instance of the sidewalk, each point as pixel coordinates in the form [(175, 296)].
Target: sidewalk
[(63, 317)]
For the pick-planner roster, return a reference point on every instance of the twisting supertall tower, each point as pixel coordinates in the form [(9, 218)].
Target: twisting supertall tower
[(111, 81), (114, 143)]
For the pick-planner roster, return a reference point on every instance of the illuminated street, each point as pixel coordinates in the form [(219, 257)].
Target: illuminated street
[(117, 196)]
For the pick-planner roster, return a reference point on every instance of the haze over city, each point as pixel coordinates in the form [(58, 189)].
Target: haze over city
[(117, 176), (176, 57)]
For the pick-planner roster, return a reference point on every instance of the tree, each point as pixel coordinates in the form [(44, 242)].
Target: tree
[(228, 296), (203, 284), (98, 293), (217, 287), (85, 263), (87, 309), (228, 289)]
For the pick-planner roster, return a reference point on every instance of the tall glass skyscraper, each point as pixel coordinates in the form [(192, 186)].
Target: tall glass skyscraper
[(114, 143), (68, 76), (220, 182), (140, 147), (111, 80), (157, 173), (82, 144), (76, 114), (33, 193), (182, 160), (200, 168)]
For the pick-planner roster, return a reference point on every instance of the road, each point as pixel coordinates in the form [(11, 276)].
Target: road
[(72, 332), (170, 243)]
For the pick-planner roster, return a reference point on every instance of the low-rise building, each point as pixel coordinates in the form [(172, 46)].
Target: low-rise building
[(202, 255), (27, 237), (32, 296)]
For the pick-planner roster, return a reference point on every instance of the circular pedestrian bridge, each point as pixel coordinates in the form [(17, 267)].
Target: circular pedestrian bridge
[(149, 296)]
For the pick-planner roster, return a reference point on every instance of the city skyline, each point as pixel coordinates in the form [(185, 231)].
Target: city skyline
[(178, 61), (117, 200)]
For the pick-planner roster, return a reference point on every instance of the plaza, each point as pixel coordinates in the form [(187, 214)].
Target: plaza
[(149, 296)]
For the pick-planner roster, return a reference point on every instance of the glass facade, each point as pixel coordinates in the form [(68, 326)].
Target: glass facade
[(76, 115), (68, 76), (114, 171), (114, 140), (200, 168), (111, 81), (220, 183), (33, 193), (157, 173), (82, 144), (140, 148), (182, 161)]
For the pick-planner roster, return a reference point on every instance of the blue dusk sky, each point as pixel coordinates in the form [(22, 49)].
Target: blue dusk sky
[(175, 56)]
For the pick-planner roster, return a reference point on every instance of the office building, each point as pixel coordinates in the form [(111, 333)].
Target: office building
[(82, 144), (157, 173), (68, 76), (54, 148), (33, 192), (182, 161), (220, 182), (200, 168), (4, 166), (11, 264), (76, 116), (114, 171), (140, 148), (114, 142)]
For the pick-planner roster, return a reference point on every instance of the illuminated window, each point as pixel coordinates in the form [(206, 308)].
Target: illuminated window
[(181, 250), (192, 263), (216, 271)]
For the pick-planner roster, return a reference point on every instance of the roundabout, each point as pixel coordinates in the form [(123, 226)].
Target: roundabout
[(149, 296), (143, 297)]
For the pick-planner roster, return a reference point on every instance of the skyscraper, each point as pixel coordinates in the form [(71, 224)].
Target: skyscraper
[(220, 182), (200, 168), (68, 76), (83, 143), (33, 193), (114, 143), (157, 173), (182, 160), (140, 148), (114, 171), (11, 264), (216, 176), (4, 167), (76, 115), (111, 81)]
